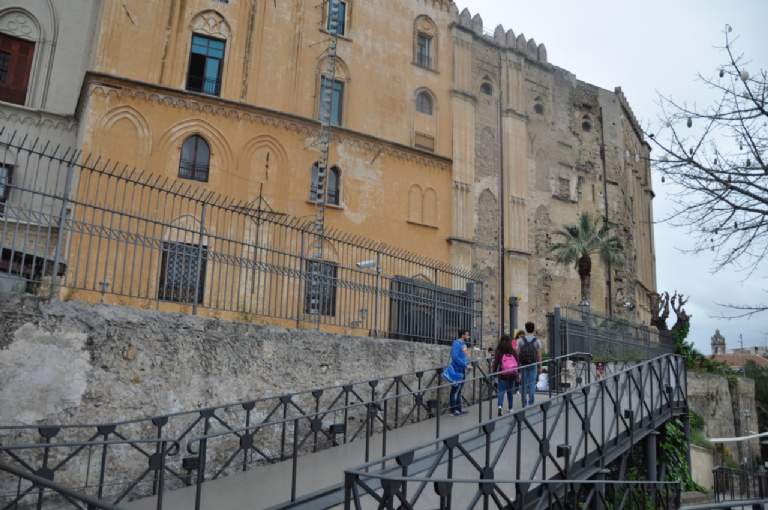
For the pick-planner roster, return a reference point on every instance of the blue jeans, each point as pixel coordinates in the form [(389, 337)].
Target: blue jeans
[(454, 399), (508, 387), (529, 384)]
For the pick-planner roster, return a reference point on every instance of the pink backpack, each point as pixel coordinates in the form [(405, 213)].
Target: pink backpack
[(508, 364)]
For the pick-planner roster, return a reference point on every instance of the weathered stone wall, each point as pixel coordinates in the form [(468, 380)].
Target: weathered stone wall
[(728, 410), (702, 463), (71, 362)]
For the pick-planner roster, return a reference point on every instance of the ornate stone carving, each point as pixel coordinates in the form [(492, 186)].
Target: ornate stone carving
[(211, 23), (19, 24)]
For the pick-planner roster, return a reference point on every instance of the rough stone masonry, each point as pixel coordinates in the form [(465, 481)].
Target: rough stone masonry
[(71, 362)]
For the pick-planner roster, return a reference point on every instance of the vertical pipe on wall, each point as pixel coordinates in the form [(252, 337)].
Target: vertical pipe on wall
[(609, 279), (502, 292)]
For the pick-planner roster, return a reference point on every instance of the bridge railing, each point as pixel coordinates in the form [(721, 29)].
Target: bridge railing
[(573, 435), (732, 484), (224, 449), (515, 494)]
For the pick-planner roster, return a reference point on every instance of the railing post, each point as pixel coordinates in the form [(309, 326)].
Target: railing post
[(651, 469), (201, 233), (557, 349), (434, 307), (377, 296), (63, 213)]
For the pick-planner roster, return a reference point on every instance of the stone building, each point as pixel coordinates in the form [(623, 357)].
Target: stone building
[(718, 343), (533, 148), (468, 148), (44, 54)]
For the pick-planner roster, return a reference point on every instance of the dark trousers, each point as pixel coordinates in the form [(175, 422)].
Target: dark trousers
[(455, 397), (507, 387)]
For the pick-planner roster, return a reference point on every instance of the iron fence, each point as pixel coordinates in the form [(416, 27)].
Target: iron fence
[(738, 484), (81, 227), (608, 339), (111, 461), (574, 435)]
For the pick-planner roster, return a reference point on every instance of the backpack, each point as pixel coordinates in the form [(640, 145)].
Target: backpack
[(528, 351), (508, 365)]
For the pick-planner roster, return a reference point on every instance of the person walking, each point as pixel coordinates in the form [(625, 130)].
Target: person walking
[(529, 355), (454, 373), (505, 364)]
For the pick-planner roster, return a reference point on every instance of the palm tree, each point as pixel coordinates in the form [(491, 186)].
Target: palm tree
[(578, 242)]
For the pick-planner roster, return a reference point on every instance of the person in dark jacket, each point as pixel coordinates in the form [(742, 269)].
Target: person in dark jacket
[(505, 364), (454, 372)]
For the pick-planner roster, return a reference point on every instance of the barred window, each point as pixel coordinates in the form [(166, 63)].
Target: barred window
[(320, 294), (182, 271), (195, 159), (5, 185)]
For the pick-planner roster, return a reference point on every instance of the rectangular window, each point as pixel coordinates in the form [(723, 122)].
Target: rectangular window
[(564, 189), (206, 61), (320, 293), (335, 103), (182, 271), (5, 185), (424, 51), (15, 68), (341, 5)]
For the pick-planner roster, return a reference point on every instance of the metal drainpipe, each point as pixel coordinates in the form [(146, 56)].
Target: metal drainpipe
[(605, 202), (502, 270)]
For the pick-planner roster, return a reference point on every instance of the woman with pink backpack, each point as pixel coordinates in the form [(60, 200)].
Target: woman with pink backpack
[(505, 364)]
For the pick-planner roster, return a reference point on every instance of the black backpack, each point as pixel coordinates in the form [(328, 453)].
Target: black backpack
[(527, 351)]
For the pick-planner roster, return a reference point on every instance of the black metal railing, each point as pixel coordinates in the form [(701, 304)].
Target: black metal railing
[(608, 339), (517, 494), (573, 435), (218, 441), (80, 227), (730, 484), (25, 486)]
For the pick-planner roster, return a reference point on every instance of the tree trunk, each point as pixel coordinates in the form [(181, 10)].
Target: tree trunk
[(585, 273)]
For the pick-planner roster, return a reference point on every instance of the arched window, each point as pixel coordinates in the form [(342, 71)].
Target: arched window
[(486, 88), (195, 159), (20, 35), (424, 103), (333, 185)]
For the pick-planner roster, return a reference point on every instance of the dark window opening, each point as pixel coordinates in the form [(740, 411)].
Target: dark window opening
[(15, 68), (331, 106), (332, 183), (321, 283), (424, 51), (424, 103), (486, 89), (5, 185), (195, 159), (341, 17), (206, 61), (182, 272)]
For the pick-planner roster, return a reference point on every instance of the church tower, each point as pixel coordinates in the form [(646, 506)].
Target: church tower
[(718, 343)]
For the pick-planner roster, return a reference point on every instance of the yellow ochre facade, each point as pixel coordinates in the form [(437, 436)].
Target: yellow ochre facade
[(462, 146)]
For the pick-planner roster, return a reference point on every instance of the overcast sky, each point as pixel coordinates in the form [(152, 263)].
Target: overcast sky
[(648, 47)]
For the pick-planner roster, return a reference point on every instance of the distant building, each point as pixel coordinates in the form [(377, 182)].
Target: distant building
[(737, 361), (718, 343)]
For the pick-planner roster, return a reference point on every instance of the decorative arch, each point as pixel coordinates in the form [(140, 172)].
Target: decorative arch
[(271, 168), (133, 117), (430, 207), (212, 23), (426, 28), (415, 204), (168, 147)]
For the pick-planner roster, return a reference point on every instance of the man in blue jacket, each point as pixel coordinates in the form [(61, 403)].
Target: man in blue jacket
[(454, 373)]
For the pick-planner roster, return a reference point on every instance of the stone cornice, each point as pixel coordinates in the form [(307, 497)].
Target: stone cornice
[(109, 85), (35, 118)]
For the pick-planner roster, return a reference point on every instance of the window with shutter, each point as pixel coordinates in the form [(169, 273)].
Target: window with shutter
[(15, 68)]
